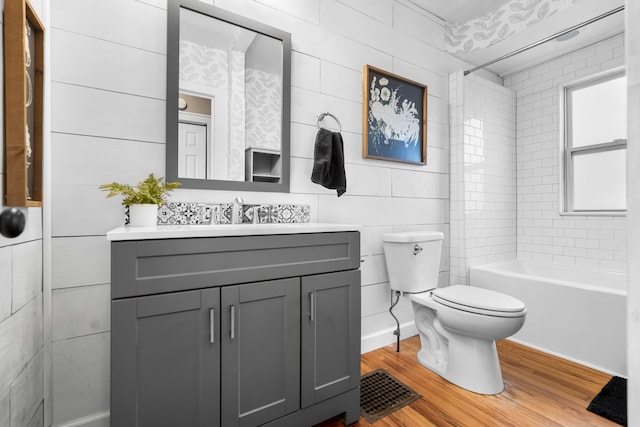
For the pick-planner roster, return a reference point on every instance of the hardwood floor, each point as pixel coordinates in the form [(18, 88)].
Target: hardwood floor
[(540, 390)]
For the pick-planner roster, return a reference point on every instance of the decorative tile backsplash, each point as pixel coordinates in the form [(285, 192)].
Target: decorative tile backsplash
[(184, 213), (220, 213)]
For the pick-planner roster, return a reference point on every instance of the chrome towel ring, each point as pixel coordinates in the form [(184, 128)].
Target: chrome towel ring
[(323, 115)]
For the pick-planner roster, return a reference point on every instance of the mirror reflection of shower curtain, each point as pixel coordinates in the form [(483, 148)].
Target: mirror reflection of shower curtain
[(192, 150)]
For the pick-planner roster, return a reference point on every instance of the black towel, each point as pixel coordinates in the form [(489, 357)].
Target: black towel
[(328, 164)]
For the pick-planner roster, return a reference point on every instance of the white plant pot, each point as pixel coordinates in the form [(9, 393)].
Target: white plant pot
[(143, 215)]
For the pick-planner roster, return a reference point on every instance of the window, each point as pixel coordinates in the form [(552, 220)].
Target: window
[(595, 145)]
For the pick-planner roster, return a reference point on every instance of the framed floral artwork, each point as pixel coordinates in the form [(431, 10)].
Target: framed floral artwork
[(394, 117)]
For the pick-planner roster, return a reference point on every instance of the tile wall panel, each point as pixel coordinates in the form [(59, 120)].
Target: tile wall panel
[(27, 273), (340, 82), (378, 211), (418, 24), (483, 174), (6, 275), (112, 66), (419, 185), (5, 408), (310, 104), (80, 155), (307, 10), (81, 210), (80, 311), (438, 137), (307, 71), (380, 10), (20, 339), (343, 20), (107, 114), (81, 377), (79, 261), (542, 233), (436, 83), (139, 25), (27, 392), (371, 239)]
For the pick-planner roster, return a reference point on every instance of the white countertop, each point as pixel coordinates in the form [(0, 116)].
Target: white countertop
[(222, 230)]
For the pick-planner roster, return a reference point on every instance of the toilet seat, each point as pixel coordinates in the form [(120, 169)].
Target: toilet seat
[(479, 301)]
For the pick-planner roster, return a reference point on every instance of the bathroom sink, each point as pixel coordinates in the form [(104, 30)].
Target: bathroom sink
[(221, 230)]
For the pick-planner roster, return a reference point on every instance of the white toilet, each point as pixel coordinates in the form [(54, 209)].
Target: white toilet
[(458, 325)]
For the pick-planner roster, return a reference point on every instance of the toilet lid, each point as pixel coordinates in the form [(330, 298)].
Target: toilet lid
[(478, 300)]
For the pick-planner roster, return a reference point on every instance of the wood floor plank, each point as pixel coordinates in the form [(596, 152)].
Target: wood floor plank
[(540, 390)]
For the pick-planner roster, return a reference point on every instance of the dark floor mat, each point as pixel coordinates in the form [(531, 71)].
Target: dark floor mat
[(381, 394), (611, 402)]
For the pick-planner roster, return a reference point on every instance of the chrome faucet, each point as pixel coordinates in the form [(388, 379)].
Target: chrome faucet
[(236, 213)]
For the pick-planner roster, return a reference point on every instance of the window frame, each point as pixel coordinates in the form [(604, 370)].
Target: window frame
[(568, 151)]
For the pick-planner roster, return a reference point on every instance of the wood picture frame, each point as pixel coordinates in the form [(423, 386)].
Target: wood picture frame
[(23, 108), (394, 117)]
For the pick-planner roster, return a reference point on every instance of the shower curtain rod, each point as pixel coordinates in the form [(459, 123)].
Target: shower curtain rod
[(539, 42)]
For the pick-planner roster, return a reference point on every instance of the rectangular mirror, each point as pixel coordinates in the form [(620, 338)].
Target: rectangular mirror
[(228, 100)]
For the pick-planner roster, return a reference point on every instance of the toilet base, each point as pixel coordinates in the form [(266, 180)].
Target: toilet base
[(472, 364)]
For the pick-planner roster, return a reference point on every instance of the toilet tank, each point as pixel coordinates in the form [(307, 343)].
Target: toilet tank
[(413, 259)]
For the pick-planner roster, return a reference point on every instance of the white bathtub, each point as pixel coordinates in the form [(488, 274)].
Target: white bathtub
[(573, 312)]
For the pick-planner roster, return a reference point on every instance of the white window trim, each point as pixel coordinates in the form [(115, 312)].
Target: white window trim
[(562, 137)]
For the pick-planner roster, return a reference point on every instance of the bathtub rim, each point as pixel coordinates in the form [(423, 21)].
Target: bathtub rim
[(495, 269)]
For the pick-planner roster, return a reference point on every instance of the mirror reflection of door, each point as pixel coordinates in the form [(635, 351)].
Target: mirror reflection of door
[(195, 133), (240, 73), (192, 150)]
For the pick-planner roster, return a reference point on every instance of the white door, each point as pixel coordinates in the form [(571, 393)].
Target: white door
[(192, 150)]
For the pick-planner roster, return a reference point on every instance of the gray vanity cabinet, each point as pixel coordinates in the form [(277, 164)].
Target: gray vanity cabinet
[(260, 351), (166, 360), (235, 331), (330, 335)]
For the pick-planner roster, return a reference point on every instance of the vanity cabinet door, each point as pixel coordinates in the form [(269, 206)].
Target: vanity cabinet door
[(165, 354), (260, 329), (330, 347)]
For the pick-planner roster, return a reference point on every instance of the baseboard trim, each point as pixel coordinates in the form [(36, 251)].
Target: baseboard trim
[(98, 419), (385, 337)]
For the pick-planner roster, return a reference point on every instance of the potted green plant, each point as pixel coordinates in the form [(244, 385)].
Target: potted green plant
[(143, 200)]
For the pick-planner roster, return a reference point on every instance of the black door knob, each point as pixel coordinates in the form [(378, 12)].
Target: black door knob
[(12, 222)]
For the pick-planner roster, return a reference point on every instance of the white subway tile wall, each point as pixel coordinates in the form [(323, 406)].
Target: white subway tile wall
[(483, 173), (544, 234)]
